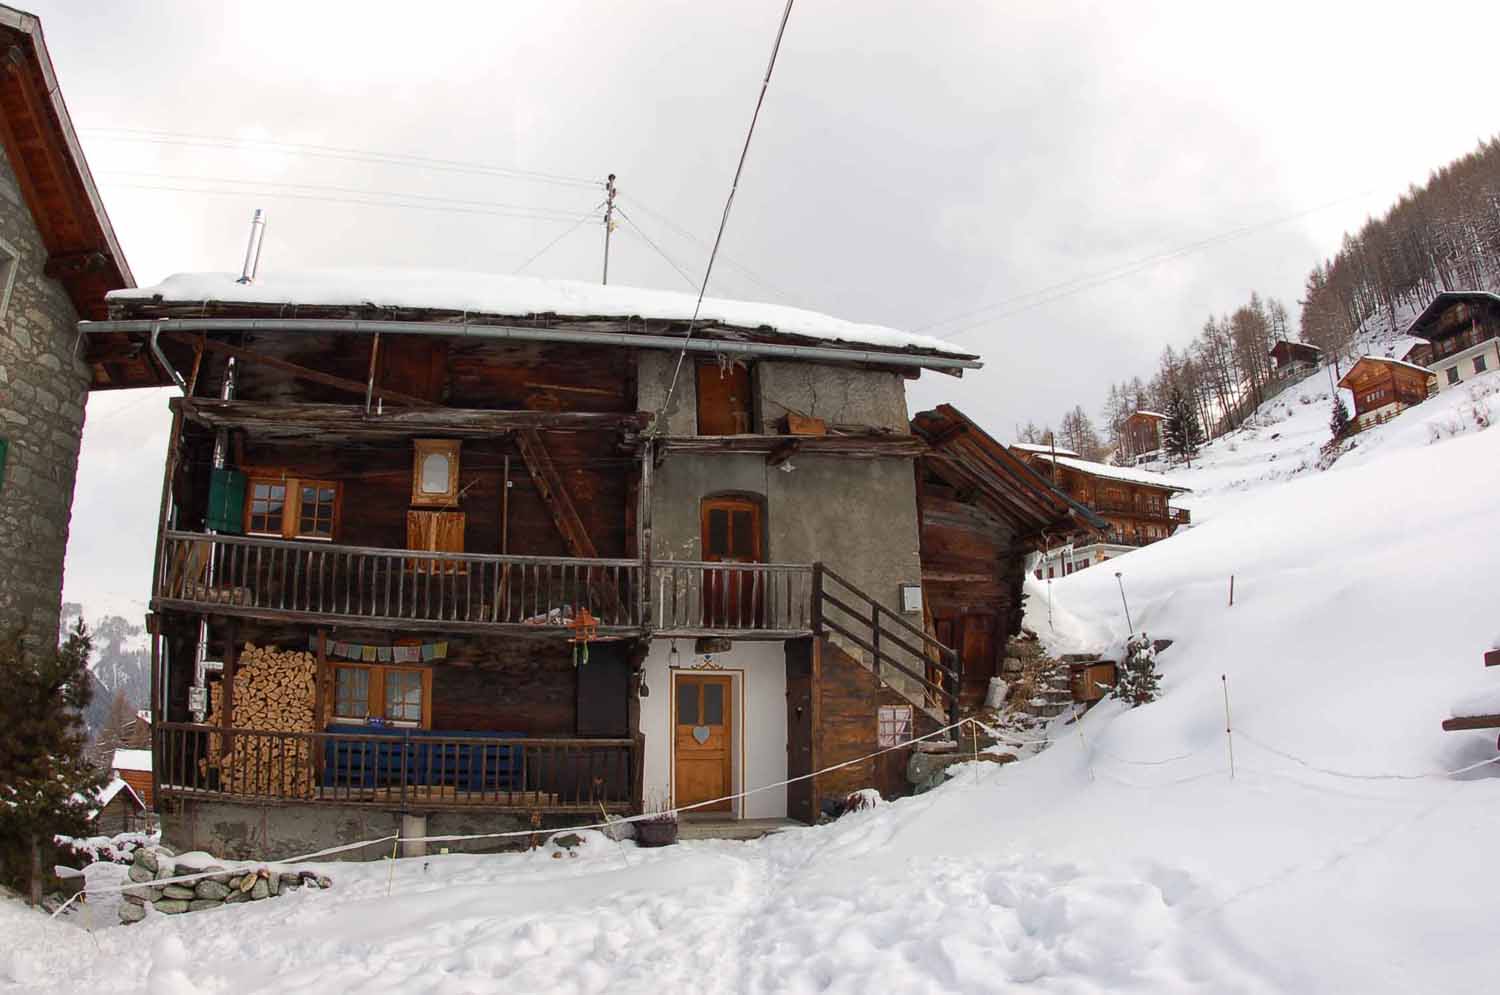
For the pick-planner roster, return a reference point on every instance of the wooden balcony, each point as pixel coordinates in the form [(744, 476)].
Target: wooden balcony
[(766, 600), (387, 588), (321, 583), (394, 768)]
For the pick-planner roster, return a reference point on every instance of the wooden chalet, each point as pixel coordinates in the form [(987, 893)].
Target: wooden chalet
[(133, 766), (982, 511), (1462, 328), (1133, 504), (1141, 435), (474, 551), (119, 808), (1292, 358), (1385, 387)]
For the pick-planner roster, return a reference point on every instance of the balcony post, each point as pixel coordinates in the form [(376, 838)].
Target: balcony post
[(816, 597)]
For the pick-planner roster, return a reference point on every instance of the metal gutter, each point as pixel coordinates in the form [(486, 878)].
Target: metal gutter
[(514, 333)]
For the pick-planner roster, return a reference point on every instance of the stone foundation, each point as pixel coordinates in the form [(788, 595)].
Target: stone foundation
[(219, 887), (236, 831)]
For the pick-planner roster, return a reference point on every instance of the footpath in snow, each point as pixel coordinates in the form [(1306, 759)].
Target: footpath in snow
[(1125, 858)]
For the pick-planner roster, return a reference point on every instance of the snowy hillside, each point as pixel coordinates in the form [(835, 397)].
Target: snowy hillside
[(1338, 856)]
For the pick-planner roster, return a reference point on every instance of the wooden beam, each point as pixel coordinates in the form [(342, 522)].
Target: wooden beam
[(554, 492), (873, 444), (293, 370), (1472, 722), (273, 419), (1492, 658)]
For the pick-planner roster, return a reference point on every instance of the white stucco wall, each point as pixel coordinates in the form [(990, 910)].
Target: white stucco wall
[(759, 673), (1464, 363)]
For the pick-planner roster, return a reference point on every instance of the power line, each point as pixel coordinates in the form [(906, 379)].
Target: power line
[(1067, 288), (161, 137), (724, 218), (332, 188), (566, 232), (659, 251), (768, 285), (281, 195)]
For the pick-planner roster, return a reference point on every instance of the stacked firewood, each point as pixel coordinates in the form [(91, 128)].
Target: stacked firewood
[(273, 693)]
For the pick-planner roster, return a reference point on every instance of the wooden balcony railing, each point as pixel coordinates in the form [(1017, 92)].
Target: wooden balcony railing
[(690, 597), (274, 578), (1179, 516), (397, 768)]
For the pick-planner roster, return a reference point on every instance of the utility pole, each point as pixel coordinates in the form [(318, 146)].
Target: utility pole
[(609, 220)]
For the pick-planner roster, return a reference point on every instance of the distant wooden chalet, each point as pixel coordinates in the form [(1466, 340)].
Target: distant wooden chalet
[(1141, 435), (1134, 505), (119, 809), (982, 510), (1385, 387), (1291, 358), (472, 551), (1463, 330), (133, 765)]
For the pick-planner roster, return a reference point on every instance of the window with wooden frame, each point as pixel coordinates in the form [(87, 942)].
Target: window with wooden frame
[(292, 507), (398, 695), (893, 725), (434, 473), (724, 398)]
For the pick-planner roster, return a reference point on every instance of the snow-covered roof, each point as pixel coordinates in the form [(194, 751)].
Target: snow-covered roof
[(131, 760), (1149, 414), (516, 296), (1486, 702), (1385, 359), (1029, 447), (114, 787), (1402, 346), (1127, 474)]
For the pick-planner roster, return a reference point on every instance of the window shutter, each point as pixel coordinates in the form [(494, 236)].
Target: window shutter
[(226, 501)]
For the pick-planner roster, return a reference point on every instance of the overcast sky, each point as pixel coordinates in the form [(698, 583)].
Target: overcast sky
[(1018, 176)]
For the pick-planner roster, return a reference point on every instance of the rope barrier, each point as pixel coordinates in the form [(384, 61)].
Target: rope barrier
[(395, 839)]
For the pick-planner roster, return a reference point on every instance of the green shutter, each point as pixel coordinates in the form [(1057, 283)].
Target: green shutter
[(226, 502)]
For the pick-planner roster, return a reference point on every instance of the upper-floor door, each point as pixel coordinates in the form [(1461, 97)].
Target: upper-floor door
[(732, 534), (723, 399)]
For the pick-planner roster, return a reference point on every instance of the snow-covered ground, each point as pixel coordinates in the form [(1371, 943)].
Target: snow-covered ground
[(1125, 858)]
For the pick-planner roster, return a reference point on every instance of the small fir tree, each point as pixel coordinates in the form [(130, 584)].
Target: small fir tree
[(47, 787), (1136, 680), (1338, 424), (1182, 435)]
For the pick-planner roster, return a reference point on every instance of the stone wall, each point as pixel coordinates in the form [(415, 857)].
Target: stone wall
[(43, 387), (242, 831)]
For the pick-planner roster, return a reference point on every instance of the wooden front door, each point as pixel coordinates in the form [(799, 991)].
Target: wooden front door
[(703, 739), (731, 534)]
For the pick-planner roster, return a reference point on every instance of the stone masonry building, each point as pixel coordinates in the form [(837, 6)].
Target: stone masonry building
[(58, 258)]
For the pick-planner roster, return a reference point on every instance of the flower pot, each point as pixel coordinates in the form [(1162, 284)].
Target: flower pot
[(656, 832)]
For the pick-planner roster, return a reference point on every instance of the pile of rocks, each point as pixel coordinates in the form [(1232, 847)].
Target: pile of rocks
[(220, 886)]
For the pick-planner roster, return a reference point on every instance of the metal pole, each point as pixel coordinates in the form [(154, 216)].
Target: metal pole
[(1121, 582), (609, 220), (252, 252), (1228, 726)]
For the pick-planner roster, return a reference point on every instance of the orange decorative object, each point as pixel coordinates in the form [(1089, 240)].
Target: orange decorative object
[(585, 631)]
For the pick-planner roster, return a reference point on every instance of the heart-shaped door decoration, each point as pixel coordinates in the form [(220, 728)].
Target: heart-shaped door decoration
[(700, 733)]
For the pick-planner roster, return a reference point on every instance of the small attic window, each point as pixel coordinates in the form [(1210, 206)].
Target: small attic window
[(9, 260)]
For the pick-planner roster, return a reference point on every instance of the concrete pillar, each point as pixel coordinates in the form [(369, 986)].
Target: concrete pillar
[(413, 825)]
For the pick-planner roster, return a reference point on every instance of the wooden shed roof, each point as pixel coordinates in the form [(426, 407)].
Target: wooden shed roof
[(966, 455)]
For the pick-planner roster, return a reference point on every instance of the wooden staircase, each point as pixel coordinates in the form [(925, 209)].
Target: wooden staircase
[(902, 657)]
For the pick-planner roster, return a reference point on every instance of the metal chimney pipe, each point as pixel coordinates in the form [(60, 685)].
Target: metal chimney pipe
[(252, 248), (220, 457)]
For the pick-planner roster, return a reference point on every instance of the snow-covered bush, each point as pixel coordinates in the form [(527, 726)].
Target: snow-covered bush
[(1136, 679)]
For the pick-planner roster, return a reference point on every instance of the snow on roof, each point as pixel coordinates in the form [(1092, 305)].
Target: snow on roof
[(504, 294), (1401, 347), (1124, 473), (1028, 447), (131, 760), (1151, 414), (1385, 359), (1486, 702), (114, 787)]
